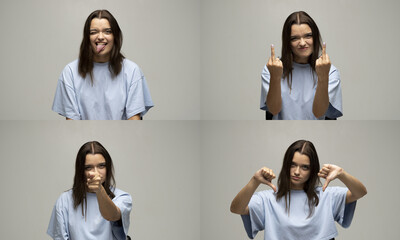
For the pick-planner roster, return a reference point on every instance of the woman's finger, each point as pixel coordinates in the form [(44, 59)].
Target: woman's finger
[(324, 50), (272, 52)]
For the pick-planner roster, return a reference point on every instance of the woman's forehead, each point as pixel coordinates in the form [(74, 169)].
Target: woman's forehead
[(94, 159), (99, 23), (301, 159), (300, 29)]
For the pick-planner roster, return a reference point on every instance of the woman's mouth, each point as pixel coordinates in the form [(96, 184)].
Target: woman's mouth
[(296, 178), (100, 47)]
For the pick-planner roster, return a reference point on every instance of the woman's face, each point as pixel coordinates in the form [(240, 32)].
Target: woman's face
[(301, 42), (95, 164), (101, 39), (299, 171)]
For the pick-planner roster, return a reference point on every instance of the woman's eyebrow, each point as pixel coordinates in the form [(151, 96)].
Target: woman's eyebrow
[(96, 29), (306, 34)]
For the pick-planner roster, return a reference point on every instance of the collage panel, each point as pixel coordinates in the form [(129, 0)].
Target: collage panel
[(233, 151), (236, 46), (155, 162), (161, 44)]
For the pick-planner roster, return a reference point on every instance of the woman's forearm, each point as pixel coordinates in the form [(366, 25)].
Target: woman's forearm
[(321, 98), (108, 209), (274, 96), (135, 117), (240, 203), (356, 188)]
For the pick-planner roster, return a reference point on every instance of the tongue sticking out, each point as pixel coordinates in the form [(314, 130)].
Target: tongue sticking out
[(100, 48)]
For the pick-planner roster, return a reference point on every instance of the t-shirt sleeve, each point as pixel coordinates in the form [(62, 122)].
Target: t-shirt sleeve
[(58, 225), (335, 94), (120, 228), (65, 102), (265, 80), (139, 99), (342, 213), (255, 221)]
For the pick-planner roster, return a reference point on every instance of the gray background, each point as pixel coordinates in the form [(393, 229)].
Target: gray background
[(361, 41), (40, 37), (156, 162), (202, 58), (233, 151)]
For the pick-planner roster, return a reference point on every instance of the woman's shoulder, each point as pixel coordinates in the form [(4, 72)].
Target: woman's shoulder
[(119, 192), (266, 194), (71, 68), (73, 64), (129, 64), (333, 191), (64, 199), (333, 71)]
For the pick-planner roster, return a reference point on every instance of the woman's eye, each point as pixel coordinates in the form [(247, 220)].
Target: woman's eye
[(108, 32), (92, 33), (88, 168), (305, 168), (102, 166)]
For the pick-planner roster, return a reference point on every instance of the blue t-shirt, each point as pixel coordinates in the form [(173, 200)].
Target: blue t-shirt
[(69, 223), (268, 214), (297, 103), (108, 98)]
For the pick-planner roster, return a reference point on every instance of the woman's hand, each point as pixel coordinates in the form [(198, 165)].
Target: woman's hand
[(356, 189), (323, 65), (240, 203), (330, 172), (265, 176), (275, 66), (94, 182)]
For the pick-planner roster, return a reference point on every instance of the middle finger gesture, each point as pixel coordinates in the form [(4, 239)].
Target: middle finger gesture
[(274, 65), (323, 64)]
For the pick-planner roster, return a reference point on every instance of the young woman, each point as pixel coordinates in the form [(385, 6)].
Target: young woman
[(299, 208), (102, 84), (93, 208), (301, 84)]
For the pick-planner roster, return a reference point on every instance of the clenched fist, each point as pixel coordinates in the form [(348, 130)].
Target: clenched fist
[(94, 182), (265, 175)]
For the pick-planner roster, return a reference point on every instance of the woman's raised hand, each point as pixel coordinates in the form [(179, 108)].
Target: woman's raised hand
[(265, 176), (330, 172), (94, 182), (274, 65), (323, 64)]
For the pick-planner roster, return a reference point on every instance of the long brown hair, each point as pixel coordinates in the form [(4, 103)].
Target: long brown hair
[(287, 54), (79, 188), (284, 184), (86, 51)]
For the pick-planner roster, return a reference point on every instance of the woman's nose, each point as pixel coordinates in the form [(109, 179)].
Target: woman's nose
[(302, 42), (297, 171), (100, 36), (94, 171)]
